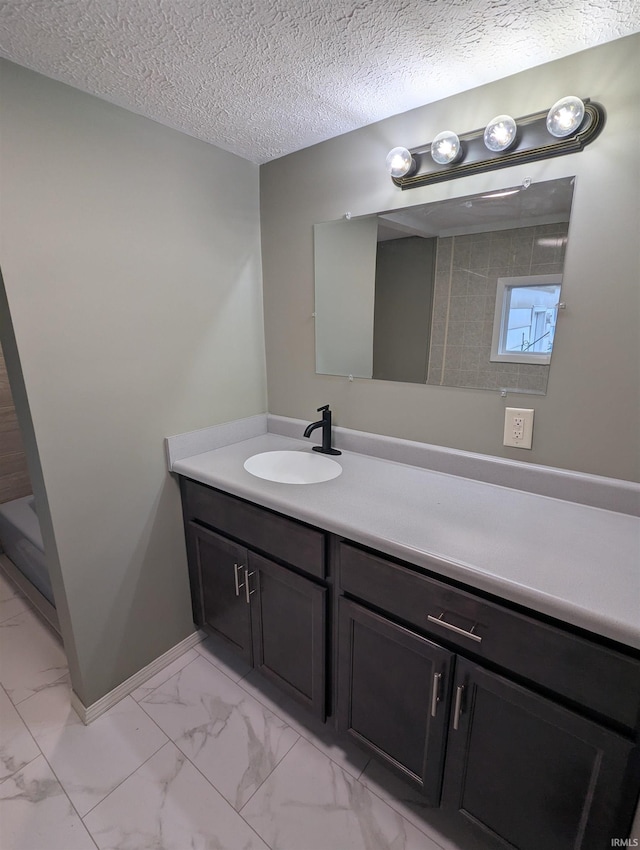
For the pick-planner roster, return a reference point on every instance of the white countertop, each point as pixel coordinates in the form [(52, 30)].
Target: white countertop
[(574, 562)]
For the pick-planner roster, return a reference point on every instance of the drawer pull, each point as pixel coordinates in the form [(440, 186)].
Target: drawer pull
[(457, 711), (247, 576), (236, 570), (458, 631), (435, 693)]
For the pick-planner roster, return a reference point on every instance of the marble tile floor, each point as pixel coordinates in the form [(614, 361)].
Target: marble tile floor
[(205, 755)]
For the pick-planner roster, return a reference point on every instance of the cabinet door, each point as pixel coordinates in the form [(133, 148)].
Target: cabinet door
[(393, 694), (221, 567), (529, 772), (289, 631)]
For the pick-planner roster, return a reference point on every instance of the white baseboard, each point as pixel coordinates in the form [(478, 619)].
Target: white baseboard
[(89, 713)]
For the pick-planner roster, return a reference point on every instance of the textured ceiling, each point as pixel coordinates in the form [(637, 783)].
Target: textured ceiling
[(266, 77)]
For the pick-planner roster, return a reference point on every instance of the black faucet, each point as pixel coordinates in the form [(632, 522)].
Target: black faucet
[(325, 424)]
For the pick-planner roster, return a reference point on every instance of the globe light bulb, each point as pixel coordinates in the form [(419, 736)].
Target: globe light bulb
[(446, 148), (400, 162), (565, 116), (500, 133)]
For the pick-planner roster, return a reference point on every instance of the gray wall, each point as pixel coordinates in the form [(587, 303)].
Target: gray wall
[(589, 419), (131, 261), (345, 296), (402, 313)]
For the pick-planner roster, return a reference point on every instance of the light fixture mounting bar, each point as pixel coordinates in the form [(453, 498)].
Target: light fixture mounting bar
[(533, 142)]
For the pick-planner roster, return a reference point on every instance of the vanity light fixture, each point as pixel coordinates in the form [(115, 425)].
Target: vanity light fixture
[(570, 125), (500, 133), (446, 148), (565, 116), (400, 163)]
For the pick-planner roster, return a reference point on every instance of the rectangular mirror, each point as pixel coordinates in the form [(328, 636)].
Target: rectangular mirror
[(462, 293)]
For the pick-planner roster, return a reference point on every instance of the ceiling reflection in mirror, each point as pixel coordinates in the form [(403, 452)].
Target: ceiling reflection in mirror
[(463, 292)]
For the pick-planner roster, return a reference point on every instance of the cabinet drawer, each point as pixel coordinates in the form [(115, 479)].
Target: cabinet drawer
[(285, 539), (591, 675)]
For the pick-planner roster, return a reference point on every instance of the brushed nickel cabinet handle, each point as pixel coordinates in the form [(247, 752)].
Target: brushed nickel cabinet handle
[(236, 570), (247, 576), (435, 693), (468, 634), (457, 711)]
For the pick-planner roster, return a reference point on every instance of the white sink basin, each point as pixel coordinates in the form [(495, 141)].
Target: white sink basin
[(302, 467)]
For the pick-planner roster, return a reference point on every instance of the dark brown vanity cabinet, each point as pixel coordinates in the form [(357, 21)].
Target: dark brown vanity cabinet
[(529, 771), (221, 570), (274, 617), (394, 687), (525, 730)]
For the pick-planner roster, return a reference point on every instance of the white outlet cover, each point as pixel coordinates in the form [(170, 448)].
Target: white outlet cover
[(525, 441)]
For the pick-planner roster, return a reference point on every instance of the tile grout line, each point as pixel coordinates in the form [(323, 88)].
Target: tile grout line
[(178, 745), (328, 757), (379, 797), (170, 676), (221, 795), (388, 802), (363, 770), (129, 775), (29, 732), (194, 765), (169, 739), (31, 761), (207, 657), (303, 735), (40, 753), (275, 767), (64, 791), (41, 689), (399, 813), (82, 817), (32, 610), (348, 774), (20, 596), (284, 720), (37, 745), (251, 696)]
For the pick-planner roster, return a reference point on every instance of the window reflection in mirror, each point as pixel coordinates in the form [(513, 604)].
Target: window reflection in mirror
[(418, 294), (525, 318)]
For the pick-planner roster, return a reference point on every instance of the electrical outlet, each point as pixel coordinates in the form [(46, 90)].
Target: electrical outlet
[(518, 427)]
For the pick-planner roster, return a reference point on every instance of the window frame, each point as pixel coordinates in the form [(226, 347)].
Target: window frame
[(501, 315)]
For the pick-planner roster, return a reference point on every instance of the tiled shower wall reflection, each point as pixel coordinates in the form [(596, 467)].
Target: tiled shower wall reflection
[(467, 272)]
